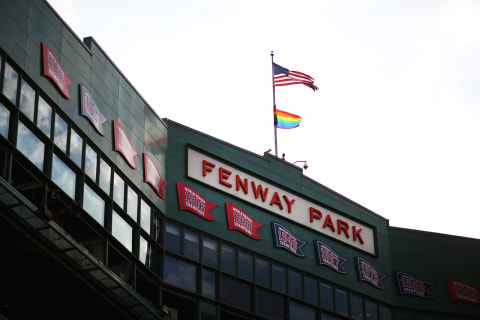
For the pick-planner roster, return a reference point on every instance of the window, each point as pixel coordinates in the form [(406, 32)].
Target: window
[(370, 310), (326, 296), (93, 204), (180, 273), (118, 190), (262, 272), (30, 145), (278, 278), (208, 283), (132, 203), (10, 80), (311, 291), (44, 117), (191, 245), (27, 100), (63, 176), (121, 230), (210, 252), (270, 305), (295, 284), (341, 302), (228, 258), (385, 312), (4, 120), (105, 176), (60, 133), (145, 252), (90, 162), (172, 238), (245, 265), (356, 306), (76, 147), (145, 215), (235, 293), (208, 311), (301, 312)]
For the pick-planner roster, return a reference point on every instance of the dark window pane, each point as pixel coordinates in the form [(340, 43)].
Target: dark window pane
[(145, 252), (245, 265), (301, 312), (93, 204), (121, 230), (402, 315), (91, 163), (208, 311), (295, 284), (228, 258), (356, 306), (423, 316), (132, 203), (341, 302), (311, 291), (145, 215), (60, 133), (210, 252), (76, 144), (4, 120), (208, 284), (118, 190), (63, 176), (278, 278), (27, 100), (10, 83), (191, 245), (172, 238), (105, 176), (371, 310), (326, 296), (180, 273), (30, 145), (44, 116), (385, 312), (235, 293), (326, 316), (262, 272), (270, 305)]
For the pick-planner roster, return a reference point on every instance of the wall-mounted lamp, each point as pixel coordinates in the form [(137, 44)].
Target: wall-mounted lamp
[(305, 166)]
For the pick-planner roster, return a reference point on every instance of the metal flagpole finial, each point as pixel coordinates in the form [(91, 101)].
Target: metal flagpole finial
[(271, 53)]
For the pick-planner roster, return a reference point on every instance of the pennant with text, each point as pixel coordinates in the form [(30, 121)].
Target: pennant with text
[(369, 274), (152, 176), (53, 70), (286, 240), (239, 220), (328, 257), (190, 200), (408, 284)]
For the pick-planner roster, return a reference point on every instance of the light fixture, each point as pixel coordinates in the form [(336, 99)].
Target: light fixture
[(305, 166)]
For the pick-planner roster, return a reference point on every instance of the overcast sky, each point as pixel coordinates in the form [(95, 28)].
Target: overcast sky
[(394, 127)]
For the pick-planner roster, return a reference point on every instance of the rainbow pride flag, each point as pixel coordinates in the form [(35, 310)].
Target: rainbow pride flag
[(285, 120)]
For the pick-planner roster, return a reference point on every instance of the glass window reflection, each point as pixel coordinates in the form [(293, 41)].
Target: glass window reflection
[(30, 145), (63, 176), (60, 133), (76, 147), (118, 189), (191, 245), (105, 176), (326, 296), (356, 306), (172, 238), (295, 284), (145, 215), (208, 284), (301, 312), (27, 100), (90, 162), (245, 265), (270, 305), (210, 252), (228, 258), (145, 252), (262, 272), (132, 203), (311, 291), (44, 116), (341, 302), (278, 278), (93, 204), (121, 230), (4, 120), (10, 80), (180, 273)]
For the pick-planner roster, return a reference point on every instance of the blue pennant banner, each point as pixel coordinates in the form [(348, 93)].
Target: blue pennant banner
[(369, 274), (286, 240), (328, 257)]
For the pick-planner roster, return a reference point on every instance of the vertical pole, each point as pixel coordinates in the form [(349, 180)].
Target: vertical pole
[(274, 108)]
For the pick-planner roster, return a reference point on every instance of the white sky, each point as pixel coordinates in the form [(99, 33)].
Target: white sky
[(394, 126)]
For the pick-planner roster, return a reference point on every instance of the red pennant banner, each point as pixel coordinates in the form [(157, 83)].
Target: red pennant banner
[(460, 291), (123, 145), (239, 220), (152, 176), (190, 200), (53, 70)]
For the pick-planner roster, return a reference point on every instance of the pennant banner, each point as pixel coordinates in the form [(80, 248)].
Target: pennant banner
[(239, 220), (123, 145), (408, 284), (368, 273), (89, 110), (152, 176), (328, 257), (286, 240), (460, 291), (190, 200), (53, 70)]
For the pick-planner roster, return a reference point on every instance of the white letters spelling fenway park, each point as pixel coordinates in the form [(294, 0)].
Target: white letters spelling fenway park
[(269, 197)]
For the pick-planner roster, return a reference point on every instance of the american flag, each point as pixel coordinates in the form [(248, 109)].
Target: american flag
[(284, 77)]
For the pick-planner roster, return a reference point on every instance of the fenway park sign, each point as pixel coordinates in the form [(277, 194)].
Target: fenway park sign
[(281, 202)]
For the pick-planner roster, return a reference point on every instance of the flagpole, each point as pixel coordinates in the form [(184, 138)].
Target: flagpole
[(274, 108)]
